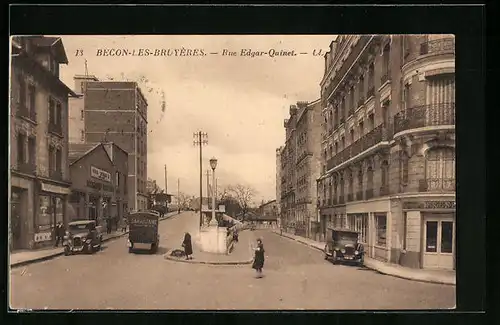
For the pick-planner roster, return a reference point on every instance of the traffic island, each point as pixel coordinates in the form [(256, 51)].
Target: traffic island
[(241, 254)]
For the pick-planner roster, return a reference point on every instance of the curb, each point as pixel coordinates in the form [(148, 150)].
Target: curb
[(170, 258), (51, 256), (375, 268)]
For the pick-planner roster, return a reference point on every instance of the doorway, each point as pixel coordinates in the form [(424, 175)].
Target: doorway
[(439, 242), (15, 219)]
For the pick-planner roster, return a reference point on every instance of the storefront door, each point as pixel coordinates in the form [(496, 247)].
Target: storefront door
[(439, 241)]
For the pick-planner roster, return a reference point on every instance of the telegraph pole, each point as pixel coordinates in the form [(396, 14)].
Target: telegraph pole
[(166, 181), (208, 187), (200, 139), (178, 193)]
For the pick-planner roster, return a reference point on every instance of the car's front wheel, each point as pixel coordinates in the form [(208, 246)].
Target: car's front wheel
[(326, 252)]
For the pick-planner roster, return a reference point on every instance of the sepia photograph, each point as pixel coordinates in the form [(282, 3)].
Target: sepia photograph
[(232, 172)]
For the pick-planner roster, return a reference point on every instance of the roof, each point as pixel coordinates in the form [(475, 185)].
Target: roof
[(79, 150), (56, 44)]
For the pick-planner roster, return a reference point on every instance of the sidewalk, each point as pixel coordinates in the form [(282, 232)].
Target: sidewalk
[(22, 258), (431, 276), (241, 254)]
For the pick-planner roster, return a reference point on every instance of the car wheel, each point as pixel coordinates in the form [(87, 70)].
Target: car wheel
[(130, 249), (326, 252)]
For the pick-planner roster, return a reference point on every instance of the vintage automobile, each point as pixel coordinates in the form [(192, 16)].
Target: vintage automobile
[(143, 231), (82, 236), (342, 245)]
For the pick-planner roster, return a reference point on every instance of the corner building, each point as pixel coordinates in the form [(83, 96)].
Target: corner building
[(388, 146)]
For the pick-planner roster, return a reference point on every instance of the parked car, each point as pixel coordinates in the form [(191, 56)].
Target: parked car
[(143, 231), (342, 245), (82, 236)]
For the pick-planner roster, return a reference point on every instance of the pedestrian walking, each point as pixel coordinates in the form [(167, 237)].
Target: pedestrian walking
[(123, 224), (258, 261), (59, 232), (188, 248), (235, 234), (108, 225)]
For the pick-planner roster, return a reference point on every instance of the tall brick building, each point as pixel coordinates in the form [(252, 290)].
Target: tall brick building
[(388, 146), (116, 112), (300, 161), (39, 167)]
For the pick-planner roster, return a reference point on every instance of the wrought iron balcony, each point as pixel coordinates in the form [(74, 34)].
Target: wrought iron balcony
[(359, 195), (26, 168), (384, 190), (438, 46), (350, 197), (437, 184), (371, 92), (369, 194), (380, 133), (424, 116), (385, 77), (25, 112), (55, 128), (361, 101)]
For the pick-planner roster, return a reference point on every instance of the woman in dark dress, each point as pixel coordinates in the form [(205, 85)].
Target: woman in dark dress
[(188, 248), (258, 261)]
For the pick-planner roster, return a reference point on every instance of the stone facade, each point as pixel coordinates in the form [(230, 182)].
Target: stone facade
[(389, 137)]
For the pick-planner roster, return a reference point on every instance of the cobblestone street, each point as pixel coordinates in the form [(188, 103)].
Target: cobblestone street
[(296, 277)]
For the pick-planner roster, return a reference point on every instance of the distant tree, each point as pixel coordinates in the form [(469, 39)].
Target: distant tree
[(183, 200), (244, 195)]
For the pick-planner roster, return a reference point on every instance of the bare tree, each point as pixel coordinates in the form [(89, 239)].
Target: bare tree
[(183, 200), (244, 196), (223, 193)]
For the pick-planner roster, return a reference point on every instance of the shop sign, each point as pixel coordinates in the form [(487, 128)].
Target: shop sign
[(100, 174), (430, 205), (43, 236), (55, 189)]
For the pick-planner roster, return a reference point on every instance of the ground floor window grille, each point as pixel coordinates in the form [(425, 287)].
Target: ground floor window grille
[(381, 228), (359, 223)]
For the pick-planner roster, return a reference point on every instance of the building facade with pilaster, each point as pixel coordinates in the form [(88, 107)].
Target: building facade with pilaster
[(388, 146), (39, 167), (278, 182)]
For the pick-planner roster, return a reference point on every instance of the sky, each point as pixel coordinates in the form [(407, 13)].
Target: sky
[(239, 101)]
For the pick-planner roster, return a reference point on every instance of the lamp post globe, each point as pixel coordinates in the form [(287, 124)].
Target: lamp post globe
[(213, 163)]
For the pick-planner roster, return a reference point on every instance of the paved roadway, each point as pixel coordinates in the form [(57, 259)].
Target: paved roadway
[(296, 277)]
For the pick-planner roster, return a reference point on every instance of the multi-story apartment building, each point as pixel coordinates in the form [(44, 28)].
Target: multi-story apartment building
[(278, 182), (39, 168), (308, 165), (110, 111), (300, 167), (388, 147)]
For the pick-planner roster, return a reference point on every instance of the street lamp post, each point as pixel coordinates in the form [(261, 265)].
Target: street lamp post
[(213, 164)]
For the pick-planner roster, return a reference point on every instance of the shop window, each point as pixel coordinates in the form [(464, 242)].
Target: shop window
[(45, 213), (446, 237), (381, 226), (431, 236)]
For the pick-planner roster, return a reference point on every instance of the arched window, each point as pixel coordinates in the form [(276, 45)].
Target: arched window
[(440, 169)]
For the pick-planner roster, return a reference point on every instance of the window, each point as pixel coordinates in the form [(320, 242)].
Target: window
[(381, 225), (58, 160), (371, 121), (406, 97), (343, 142), (82, 135), (371, 76), (446, 237), (58, 113), (404, 168), (82, 114), (361, 129), (360, 183), (32, 151), (385, 173), (431, 236), (405, 230), (31, 99), (385, 113), (361, 86), (359, 223), (352, 136), (369, 178), (117, 179), (52, 111), (440, 169), (336, 147), (52, 164), (385, 62), (352, 103), (21, 150), (351, 185)]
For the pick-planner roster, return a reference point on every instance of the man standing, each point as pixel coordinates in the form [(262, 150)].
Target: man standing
[(59, 233)]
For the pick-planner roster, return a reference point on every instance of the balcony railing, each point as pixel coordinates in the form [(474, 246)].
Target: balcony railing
[(25, 112), (359, 195), (349, 197), (380, 133), (371, 92), (384, 190), (26, 168), (437, 184), (386, 77), (55, 128), (56, 174), (361, 101), (438, 46), (369, 194), (424, 116)]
